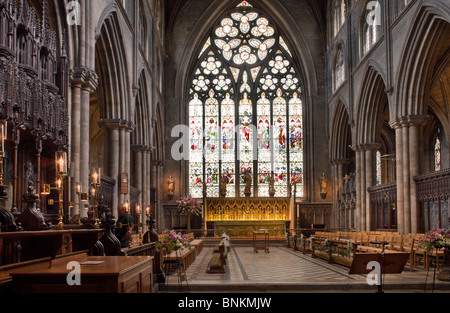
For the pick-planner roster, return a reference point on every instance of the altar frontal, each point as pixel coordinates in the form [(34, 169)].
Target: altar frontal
[(240, 217)]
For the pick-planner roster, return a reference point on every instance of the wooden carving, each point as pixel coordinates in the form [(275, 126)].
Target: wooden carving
[(109, 240), (32, 219)]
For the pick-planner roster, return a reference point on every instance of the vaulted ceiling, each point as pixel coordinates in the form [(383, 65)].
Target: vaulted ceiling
[(173, 7)]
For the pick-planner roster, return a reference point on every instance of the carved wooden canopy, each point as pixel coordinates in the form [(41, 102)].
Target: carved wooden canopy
[(33, 79)]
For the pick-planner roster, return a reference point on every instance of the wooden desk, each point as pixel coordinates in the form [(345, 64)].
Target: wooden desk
[(43, 244), (114, 275), (265, 234)]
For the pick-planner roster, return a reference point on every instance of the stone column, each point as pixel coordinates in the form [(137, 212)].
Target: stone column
[(138, 165), (128, 130), (75, 140), (359, 226), (370, 182), (338, 173), (362, 188), (113, 127), (84, 139), (84, 81), (397, 126), (122, 155), (415, 122), (406, 179)]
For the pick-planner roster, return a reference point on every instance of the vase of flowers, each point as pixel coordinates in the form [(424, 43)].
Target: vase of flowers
[(189, 207), (439, 239), (171, 241)]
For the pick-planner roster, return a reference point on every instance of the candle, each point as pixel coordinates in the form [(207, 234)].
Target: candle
[(148, 211), (61, 163), (138, 209), (59, 183), (78, 187), (96, 176), (3, 135)]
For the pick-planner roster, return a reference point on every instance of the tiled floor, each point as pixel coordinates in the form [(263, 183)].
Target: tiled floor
[(286, 270)]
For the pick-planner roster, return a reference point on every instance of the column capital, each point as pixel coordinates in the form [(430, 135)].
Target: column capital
[(366, 147), (340, 162), (117, 124), (84, 77), (410, 120), (371, 146), (398, 122), (419, 120), (142, 148)]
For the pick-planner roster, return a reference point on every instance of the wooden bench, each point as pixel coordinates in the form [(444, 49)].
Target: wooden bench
[(218, 260), (187, 256), (197, 243)]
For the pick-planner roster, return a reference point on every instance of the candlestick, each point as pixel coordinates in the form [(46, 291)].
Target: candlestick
[(78, 188), (3, 135), (61, 163)]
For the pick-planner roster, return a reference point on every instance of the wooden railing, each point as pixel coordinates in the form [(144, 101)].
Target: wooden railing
[(433, 197), (383, 199)]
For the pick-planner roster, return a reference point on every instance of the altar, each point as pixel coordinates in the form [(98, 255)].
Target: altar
[(241, 217), (245, 229)]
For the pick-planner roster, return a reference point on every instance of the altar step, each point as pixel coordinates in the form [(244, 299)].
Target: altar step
[(285, 270), (209, 242)]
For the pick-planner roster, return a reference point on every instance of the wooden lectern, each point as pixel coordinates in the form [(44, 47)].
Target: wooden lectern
[(391, 262)]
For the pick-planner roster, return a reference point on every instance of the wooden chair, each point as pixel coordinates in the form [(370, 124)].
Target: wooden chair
[(396, 243), (438, 256), (408, 246), (419, 253)]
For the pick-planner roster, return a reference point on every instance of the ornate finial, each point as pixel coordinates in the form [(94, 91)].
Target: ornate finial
[(44, 14), (64, 44)]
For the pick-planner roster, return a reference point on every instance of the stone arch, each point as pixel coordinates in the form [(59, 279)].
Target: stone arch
[(341, 135), (428, 34), (111, 67), (142, 112), (339, 50), (372, 101), (286, 24), (305, 50)]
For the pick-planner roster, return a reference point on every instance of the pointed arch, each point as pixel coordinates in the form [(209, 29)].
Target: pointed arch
[(414, 77), (341, 135), (111, 67), (372, 107), (286, 24), (246, 92), (142, 111)]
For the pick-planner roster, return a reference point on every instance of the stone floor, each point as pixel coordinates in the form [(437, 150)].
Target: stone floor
[(285, 270)]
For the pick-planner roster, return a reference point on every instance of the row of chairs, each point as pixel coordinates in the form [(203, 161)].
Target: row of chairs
[(411, 243)]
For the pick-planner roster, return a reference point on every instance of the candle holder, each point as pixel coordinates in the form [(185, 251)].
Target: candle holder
[(61, 163), (80, 199), (139, 224), (3, 136), (61, 173), (127, 210), (59, 186), (95, 186)]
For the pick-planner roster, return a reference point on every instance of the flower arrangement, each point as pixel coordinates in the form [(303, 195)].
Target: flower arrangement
[(172, 241), (436, 239), (326, 244), (189, 206)]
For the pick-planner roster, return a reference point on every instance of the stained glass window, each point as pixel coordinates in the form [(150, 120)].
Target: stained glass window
[(437, 155), (246, 109), (379, 168)]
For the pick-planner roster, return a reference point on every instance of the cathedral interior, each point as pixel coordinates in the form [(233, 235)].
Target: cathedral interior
[(322, 126)]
